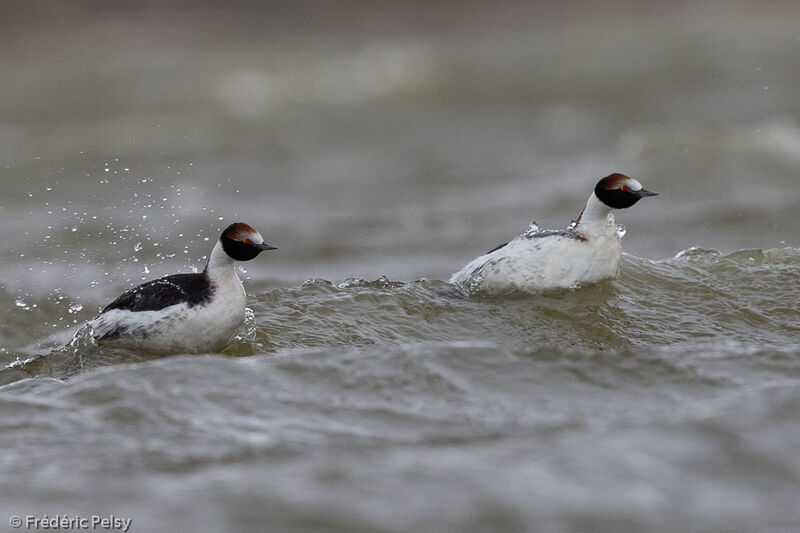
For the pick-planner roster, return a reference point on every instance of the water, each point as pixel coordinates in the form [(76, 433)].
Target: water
[(364, 394)]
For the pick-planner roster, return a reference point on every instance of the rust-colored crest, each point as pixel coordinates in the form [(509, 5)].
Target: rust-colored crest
[(239, 231), (612, 181)]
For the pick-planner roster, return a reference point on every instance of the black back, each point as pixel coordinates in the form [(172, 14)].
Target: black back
[(567, 233), (193, 289)]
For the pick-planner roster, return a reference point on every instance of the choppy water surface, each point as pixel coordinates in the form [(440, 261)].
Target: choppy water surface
[(664, 400)]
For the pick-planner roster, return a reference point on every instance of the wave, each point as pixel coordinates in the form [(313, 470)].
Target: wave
[(698, 297)]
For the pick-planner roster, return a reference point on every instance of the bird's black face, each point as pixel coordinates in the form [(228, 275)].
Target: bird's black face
[(618, 191), (243, 243)]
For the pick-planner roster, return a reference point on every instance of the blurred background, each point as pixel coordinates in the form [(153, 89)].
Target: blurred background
[(382, 138)]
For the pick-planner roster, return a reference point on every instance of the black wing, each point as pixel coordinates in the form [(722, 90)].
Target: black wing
[(192, 289), (497, 248), (568, 233)]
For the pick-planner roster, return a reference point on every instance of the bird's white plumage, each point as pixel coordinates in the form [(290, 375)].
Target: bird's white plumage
[(587, 252), (633, 184), (256, 237)]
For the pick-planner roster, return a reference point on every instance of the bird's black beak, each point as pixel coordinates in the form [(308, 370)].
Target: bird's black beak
[(642, 193), (264, 246)]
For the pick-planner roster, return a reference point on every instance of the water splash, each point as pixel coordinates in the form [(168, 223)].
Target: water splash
[(533, 229), (83, 338), (382, 282), (249, 330)]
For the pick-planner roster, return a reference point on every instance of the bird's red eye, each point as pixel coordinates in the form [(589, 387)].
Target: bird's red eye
[(624, 188), (246, 241)]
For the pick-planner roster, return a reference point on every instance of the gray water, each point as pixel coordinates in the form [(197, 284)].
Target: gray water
[(381, 148)]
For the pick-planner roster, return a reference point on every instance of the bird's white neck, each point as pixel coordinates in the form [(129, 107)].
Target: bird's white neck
[(596, 216), (220, 265)]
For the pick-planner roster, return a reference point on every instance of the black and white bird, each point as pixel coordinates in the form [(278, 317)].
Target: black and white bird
[(184, 313), (587, 251)]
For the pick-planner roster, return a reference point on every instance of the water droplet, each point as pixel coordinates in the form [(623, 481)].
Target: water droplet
[(74, 228), (137, 247), (74, 308), (220, 218)]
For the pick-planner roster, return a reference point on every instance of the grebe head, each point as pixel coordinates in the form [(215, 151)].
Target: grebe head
[(618, 191), (242, 243)]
